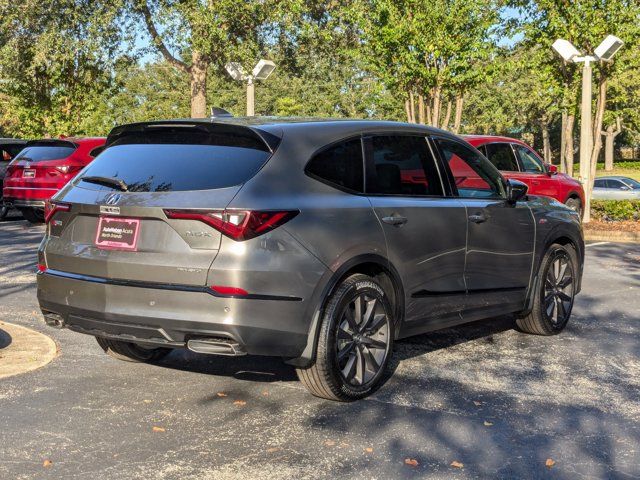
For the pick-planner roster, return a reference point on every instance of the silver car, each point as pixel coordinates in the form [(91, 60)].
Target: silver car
[(321, 242), (616, 188)]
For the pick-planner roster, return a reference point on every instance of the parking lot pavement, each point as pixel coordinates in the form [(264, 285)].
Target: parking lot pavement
[(501, 403)]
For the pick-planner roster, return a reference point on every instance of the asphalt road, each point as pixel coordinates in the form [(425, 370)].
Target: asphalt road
[(572, 398)]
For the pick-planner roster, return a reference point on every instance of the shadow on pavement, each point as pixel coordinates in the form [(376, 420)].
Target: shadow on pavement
[(5, 339)]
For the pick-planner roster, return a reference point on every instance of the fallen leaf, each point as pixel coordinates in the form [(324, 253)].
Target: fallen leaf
[(488, 424), (265, 393), (146, 401), (47, 463), (240, 403), (273, 449), (221, 394), (550, 462), (158, 429), (344, 444), (329, 443), (457, 464), (477, 403), (411, 462), (368, 450)]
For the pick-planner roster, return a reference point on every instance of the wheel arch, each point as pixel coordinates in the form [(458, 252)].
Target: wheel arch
[(373, 265)]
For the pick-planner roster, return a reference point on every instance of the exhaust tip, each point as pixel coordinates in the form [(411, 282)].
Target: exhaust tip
[(54, 320), (216, 346)]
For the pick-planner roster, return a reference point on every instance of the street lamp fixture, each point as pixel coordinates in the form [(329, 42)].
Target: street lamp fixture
[(604, 52), (261, 71)]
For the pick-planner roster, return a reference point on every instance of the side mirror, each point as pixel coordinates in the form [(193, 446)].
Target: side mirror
[(624, 187), (516, 190), (551, 169)]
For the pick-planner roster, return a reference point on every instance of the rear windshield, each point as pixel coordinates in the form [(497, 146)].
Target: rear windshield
[(176, 167), (42, 153)]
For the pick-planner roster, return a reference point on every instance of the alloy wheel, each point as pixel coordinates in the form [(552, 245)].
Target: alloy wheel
[(558, 289), (362, 340)]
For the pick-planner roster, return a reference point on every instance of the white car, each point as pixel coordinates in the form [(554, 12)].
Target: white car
[(616, 188)]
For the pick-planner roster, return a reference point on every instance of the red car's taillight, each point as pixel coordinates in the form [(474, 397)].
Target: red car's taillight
[(236, 224), (51, 208)]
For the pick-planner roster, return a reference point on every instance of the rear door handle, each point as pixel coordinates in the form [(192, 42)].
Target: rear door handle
[(478, 218), (396, 220)]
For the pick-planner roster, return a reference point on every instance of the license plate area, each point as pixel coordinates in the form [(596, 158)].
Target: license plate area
[(28, 173), (115, 233)]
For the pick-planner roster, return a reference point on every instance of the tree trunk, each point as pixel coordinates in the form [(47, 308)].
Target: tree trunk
[(435, 120), (407, 109), (562, 142), (458, 119), (198, 77), (546, 145), (601, 104), (447, 116), (609, 139), (421, 109), (568, 144)]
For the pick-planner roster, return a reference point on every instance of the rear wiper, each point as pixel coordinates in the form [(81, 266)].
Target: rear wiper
[(107, 181)]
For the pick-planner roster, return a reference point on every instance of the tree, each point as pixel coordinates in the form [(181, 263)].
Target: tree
[(429, 52), (194, 35), (56, 65)]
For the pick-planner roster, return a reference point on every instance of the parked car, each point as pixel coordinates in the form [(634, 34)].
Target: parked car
[(616, 188), (515, 159), (321, 242), (9, 148), (42, 168)]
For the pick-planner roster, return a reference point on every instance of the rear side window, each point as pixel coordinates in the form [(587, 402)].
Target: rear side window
[(502, 157), (340, 165), (170, 167), (43, 153), (600, 184), (404, 166)]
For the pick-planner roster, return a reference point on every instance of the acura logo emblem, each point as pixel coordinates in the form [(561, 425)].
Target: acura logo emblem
[(112, 198)]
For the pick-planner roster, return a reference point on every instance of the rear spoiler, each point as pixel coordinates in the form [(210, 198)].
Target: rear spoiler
[(205, 131), (51, 142)]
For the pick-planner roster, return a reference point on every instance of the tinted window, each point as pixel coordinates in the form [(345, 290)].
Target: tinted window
[(617, 184), (404, 166), (530, 161), (7, 152), (474, 176), (168, 167), (502, 157), (340, 165), (42, 153), (600, 184)]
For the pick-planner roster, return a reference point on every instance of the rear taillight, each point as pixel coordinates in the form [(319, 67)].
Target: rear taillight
[(42, 268), (236, 224), (51, 208)]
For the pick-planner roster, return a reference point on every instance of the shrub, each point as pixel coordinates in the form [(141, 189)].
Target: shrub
[(615, 210)]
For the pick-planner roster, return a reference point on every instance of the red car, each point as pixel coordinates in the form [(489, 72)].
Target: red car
[(515, 159), (42, 168)]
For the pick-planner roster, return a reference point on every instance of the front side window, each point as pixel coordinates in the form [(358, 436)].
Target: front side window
[(530, 161), (474, 176), (502, 157), (340, 165), (403, 165)]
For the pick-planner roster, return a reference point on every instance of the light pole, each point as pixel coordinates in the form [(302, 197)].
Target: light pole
[(261, 71), (605, 52)]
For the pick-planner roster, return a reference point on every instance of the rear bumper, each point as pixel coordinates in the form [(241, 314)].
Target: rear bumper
[(22, 203), (20, 196), (170, 316)]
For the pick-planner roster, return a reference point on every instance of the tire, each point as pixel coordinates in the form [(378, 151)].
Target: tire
[(131, 352), (32, 215), (575, 205), (553, 297), (4, 211), (355, 342)]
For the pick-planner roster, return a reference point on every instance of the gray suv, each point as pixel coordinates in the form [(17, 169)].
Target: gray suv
[(318, 241)]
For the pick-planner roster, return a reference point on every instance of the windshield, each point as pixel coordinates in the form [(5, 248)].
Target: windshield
[(171, 167), (36, 154)]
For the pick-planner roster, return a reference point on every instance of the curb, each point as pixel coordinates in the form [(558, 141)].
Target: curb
[(604, 236), (23, 350)]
